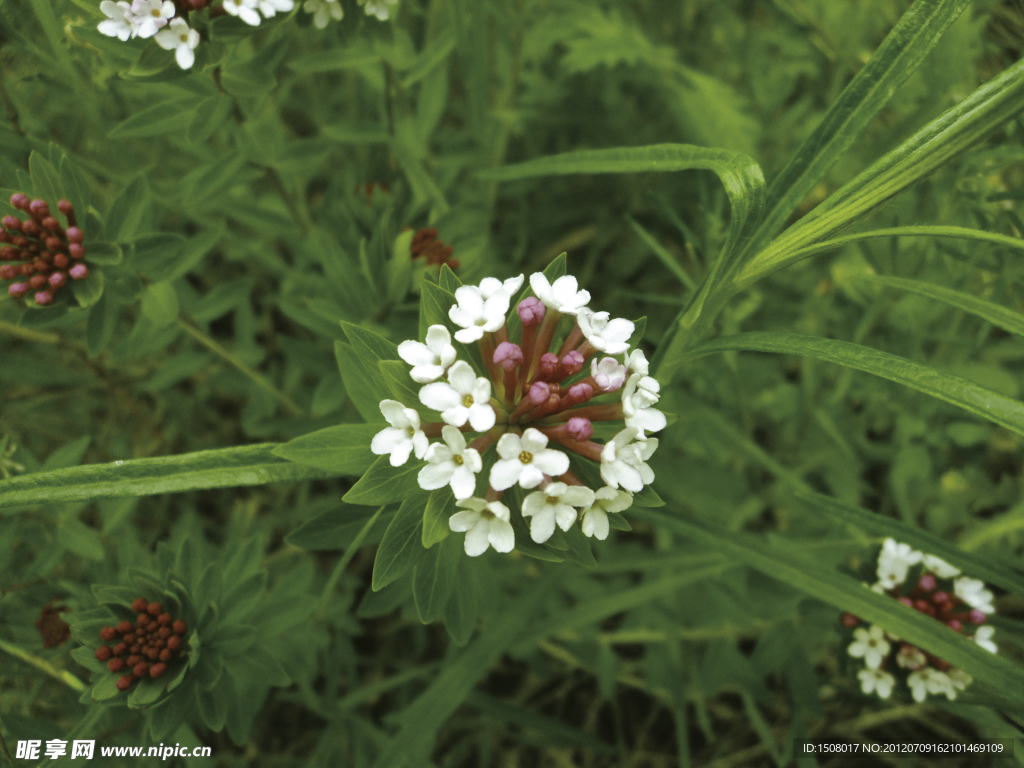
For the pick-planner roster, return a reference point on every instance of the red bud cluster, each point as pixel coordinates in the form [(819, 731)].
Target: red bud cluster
[(52, 627), (425, 243), (37, 253), (145, 647), (367, 189)]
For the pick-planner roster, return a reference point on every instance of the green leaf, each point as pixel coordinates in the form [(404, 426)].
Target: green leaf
[(440, 507), (87, 292), (370, 346), (106, 688), (462, 613), (79, 538), (127, 212), (363, 389), (107, 254), (965, 394), (335, 59), (899, 55), (400, 548), (433, 579), (338, 528), (146, 692), (160, 304), (666, 258), (248, 80), (848, 594), (382, 483), (157, 120), (432, 56), (343, 449), (100, 326), (579, 551), (46, 182), (156, 254), (403, 388), (207, 117), (225, 467)]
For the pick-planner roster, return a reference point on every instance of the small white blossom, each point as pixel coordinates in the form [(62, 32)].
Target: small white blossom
[(121, 22), (930, 680), (940, 567), (477, 315), (429, 360), (554, 504), (492, 286), (973, 592), (894, 561), (243, 9), (177, 36), (636, 362), (464, 397), (639, 394), (876, 680), (910, 657), (869, 644), (983, 637), (526, 460), (451, 464), (595, 518), (403, 437), (959, 679), (485, 523), (379, 8), (271, 8), (323, 11), (609, 374), (624, 463), (610, 336), (563, 295), (151, 15)]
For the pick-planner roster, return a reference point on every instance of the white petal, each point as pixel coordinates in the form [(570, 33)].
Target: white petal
[(476, 539), (509, 447), (420, 444), (505, 473), (415, 353), (394, 413), (542, 526), (481, 417), (595, 523), (565, 516), (463, 482), (424, 374), (501, 536), (578, 496), (438, 338), (471, 458), (385, 441), (400, 453), (165, 38), (462, 377), (454, 439), (434, 476), (542, 289), (551, 462), (534, 440), (469, 335), (439, 396), (530, 477), (534, 503), (456, 416)]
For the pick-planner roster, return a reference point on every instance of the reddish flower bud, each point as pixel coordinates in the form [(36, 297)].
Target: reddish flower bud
[(165, 655), (571, 364), (37, 281), (60, 260), (11, 223), (579, 393), (165, 632), (115, 665), (955, 625), (7, 253), (940, 597), (850, 621), (906, 601), (43, 298), (157, 670), (31, 228), (924, 607), (124, 627), (125, 682), (19, 201), (159, 643), (121, 649), (103, 653), (65, 207), (579, 429), (129, 638), (164, 619), (77, 251), (139, 604), (39, 208), (548, 366), (539, 393), (27, 269), (7, 272), (108, 633), (976, 616), (51, 224), (57, 279), (142, 619), (179, 627), (75, 235), (54, 244), (79, 272), (530, 310), (173, 643), (17, 290), (508, 356), (20, 241), (153, 653), (134, 659), (155, 609), (140, 669)]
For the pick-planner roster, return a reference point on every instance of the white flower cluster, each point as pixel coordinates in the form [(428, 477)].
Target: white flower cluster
[(961, 603), (325, 10), (533, 407)]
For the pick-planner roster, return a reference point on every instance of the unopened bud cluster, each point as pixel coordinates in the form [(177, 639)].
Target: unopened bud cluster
[(434, 252), (37, 255), (931, 586), (145, 647)]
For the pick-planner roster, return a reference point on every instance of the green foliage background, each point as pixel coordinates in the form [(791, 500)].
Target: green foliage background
[(245, 260)]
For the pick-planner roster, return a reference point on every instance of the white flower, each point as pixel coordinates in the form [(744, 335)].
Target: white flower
[(485, 523), (323, 11), (604, 334), (271, 7), (636, 362), (526, 460), (930, 680), (429, 360), (609, 374), (151, 15), (910, 657), (452, 464), (983, 637), (553, 505), (623, 463), (869, 644), (595, 518), (876, 680), (973, 592), (243, 9), (183, 40), (894, 561), (464, 397), (492, 286), (563, 295), (379, 8), (475, 314), (959, 679), (120, 24), (403, 437), (639, 394), (940, 567)]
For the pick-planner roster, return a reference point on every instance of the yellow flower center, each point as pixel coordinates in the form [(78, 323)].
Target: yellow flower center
[(467, 401), (457, 459), (526, 457)]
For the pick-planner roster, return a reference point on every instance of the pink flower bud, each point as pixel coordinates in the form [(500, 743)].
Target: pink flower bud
[(37, 281), (60, 260), (976, 616), (548, 366), (51, 224), (43, 298), (79, 272), (19, 201), (850, 621), (579, 393), (940, 597), (77, 251), (530, 310), (955, 625), (927, 582), (17, 290), (539, 393), (508, 355), (579, 428), (31, 228), (39, 208), (906, 601), (53, 243), (7, 272), (57, 279), (7, 253), (572, 363), (75, 235), (65, 207), (11, 223)]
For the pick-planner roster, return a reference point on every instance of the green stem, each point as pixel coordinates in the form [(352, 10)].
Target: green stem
[(221, 352), (28, 334), (42, 664), (343, 563)]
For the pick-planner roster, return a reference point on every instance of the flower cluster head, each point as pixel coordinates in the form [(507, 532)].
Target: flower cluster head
[(932, 586), (434, 252), (52, 627), (146, 647), (537, 406), (37, 255)]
